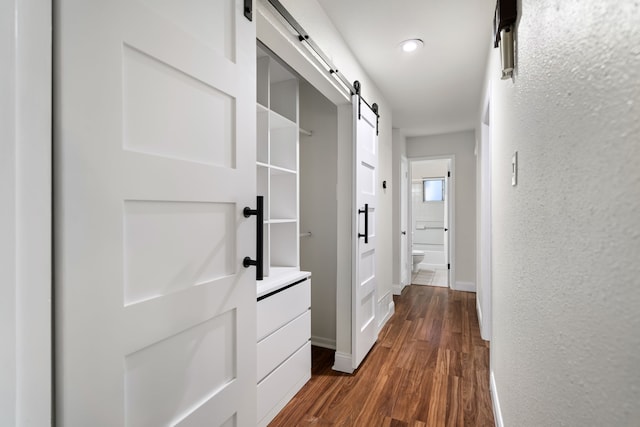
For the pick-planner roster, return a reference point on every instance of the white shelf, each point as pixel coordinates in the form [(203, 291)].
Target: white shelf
[(277, 164), (278, 121), (281, 221)]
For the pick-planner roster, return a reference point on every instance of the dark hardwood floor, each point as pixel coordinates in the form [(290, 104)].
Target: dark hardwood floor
[(429, 368)]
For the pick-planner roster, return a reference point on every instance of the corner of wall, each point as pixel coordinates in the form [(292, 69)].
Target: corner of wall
[(497, 412)]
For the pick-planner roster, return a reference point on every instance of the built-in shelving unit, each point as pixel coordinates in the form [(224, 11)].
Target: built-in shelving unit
[(277, 166), (284, 330)]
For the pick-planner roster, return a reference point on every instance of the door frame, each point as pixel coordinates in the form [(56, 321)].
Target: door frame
[(484, 222), (451, 197), (405, 187), (26, 191)]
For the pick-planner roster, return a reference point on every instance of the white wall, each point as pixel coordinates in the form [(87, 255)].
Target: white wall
[(566, 240), (315, 21), (429, 169), (461, 145), (7, 216), (25, 212), (318, 209)]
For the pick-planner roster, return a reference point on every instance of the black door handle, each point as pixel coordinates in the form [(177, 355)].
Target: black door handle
[(365, 211), (259, 261)]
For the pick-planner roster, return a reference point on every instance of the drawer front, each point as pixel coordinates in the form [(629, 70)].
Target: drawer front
[(277, 347), (279, 309), (282, 384)]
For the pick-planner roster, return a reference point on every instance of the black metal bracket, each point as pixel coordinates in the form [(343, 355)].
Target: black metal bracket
[(365, 211), (259, 261), (374, 107), (248, 9)]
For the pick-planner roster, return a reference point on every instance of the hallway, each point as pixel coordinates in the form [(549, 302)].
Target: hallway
[(429, 368)]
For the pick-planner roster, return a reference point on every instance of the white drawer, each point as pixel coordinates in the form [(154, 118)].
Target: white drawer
[(277, 347), (279, 309), (275, 391)]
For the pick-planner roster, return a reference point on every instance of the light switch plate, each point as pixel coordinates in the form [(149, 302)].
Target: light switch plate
[(514, 169)]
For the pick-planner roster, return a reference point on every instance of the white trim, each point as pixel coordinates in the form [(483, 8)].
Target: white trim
[(25, 140), (323, 342), (397, 289), (271, 31), (452, 209), (479, 313), (391, 309), (464, 286), (497, 412), (343, 363)]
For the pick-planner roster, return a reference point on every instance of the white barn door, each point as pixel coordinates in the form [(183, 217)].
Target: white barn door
[(154, 163), (365, 329)]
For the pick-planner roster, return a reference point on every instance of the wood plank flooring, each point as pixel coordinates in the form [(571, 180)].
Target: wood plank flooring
[(429, 368)]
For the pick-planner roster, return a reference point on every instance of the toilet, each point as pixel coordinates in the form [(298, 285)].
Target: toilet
[(417, 256)]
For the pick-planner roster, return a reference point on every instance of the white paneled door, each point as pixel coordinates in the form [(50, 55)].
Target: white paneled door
[(365, 329), (154, 162)]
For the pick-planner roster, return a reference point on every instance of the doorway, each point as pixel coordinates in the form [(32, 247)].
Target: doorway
[(429, 213)]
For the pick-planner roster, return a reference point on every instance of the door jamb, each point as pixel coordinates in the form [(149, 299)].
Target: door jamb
[(27, 72), (451, 214)]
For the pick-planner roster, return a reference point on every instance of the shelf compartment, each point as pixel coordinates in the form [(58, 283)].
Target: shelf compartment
[(266, 260), (284, 148), (284, 200), (284, 244), (262, 187), (262, 136), (284, 95), (262, 79)]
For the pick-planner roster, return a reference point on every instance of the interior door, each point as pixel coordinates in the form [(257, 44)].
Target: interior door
[(154, 163), (447, 181), (364, 333), (405, 262)]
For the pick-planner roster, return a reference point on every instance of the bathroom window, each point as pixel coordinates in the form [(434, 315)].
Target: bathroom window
[(433, 190)]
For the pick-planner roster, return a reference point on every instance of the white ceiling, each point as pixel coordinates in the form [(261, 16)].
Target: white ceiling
[(436, 89)]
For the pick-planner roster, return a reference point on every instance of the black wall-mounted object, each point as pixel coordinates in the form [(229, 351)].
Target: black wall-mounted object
[(384, 184), (365, 211), (506, 16), (259, 261)]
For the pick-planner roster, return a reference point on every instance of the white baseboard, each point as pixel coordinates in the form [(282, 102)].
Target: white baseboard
[(390, 310), (397, 289), (464, 286), (323, 342), (479, 312), (435, 285), (343, 363), (385, 309), (497, 412)]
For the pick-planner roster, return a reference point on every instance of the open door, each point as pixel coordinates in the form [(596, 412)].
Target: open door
[(154, 163), (447, 258), (405, 260), (364, 330)]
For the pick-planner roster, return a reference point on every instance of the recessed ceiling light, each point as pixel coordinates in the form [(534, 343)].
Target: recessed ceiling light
[(411, 45)]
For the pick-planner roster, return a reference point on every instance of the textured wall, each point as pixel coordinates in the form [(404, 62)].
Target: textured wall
[(460, 144), (566, 260)]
